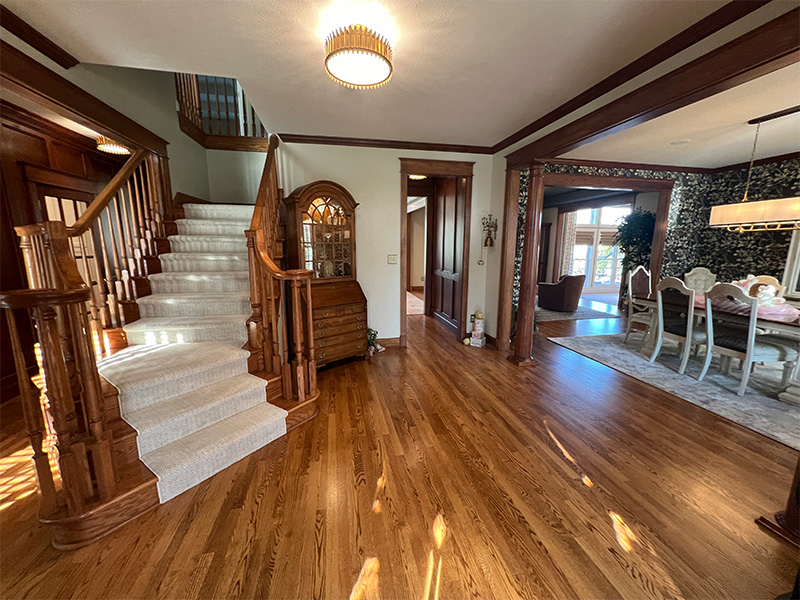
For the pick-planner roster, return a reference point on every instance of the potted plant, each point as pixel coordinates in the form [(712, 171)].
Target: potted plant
[(634, 237)]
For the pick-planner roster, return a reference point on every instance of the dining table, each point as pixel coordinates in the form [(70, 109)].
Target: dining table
[(785, 321)]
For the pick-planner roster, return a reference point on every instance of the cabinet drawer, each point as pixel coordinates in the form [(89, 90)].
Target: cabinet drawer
[(340, 351), (340, 339), (334, 330), (337, 321), (339, 311)]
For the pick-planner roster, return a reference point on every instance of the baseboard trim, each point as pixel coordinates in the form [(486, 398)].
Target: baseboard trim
[(390, 342)]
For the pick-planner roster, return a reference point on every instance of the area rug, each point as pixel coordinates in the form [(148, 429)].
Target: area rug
[(759, 409), (542, 314)]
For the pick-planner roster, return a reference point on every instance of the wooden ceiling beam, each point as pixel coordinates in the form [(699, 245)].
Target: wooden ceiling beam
[(774, 45)]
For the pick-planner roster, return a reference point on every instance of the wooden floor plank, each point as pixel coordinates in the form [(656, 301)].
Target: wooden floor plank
[(564, 480)]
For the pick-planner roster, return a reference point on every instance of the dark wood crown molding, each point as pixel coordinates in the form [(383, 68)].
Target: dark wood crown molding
[(296, 138), (23, 75), (13, 24), (763, 50), (731, 12)]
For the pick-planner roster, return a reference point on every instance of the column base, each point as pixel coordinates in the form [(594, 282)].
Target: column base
[(775, 526)]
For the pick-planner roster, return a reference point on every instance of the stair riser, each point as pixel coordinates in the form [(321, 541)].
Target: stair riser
[(236, 334), (197, 284), (198, 244), (199, 308), (192, 265), (154, 438), (148, 395), (220, 212), (197, 227), (220, 457)]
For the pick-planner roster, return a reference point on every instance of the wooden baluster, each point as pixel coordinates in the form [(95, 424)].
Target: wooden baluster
[(255, 324), (286, 367), (96, 301), (113, 238), (98, 284), (29, 256), (310, 351), (245, 125), (111, 298), (141, 211), (299, 362), (153, 195), (270, 285), (125, 256), (227, 108), (60, 395), (135, 231), (92, 398), (128, 233), (34, 421)]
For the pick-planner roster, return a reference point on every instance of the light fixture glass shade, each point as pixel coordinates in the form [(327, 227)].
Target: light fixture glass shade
[(105, 144), (417, 177), (761, 215), (358, 58)]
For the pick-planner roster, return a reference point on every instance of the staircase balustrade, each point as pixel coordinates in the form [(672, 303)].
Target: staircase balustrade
[(82, 274), (285, 296)]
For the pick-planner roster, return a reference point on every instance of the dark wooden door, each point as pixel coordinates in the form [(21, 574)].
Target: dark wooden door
[(447, 251), (544, 247)]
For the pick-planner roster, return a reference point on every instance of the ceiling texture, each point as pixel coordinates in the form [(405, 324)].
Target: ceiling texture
[(465, 72)]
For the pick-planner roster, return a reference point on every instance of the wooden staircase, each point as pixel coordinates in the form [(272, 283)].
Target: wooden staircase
[(85, 277)]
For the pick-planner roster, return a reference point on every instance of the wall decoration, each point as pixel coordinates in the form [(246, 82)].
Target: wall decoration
[(690, 241)]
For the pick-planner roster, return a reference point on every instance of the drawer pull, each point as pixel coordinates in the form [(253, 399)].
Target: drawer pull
[(360, 345)]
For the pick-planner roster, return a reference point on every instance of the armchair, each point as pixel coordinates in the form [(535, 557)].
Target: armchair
[(562, 296)]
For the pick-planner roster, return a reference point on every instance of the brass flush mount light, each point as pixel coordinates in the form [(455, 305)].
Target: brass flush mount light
[(358, 57), (106, 144)]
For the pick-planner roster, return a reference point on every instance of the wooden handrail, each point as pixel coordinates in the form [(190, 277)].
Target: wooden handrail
[(110, 191), (263, 187)]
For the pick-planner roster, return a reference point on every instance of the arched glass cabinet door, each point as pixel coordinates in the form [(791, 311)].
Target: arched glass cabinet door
[(327, 239)]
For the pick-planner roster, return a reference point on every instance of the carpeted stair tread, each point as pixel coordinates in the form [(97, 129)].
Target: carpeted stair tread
[(232, 212), (165, 422), (186, 462), (194, 304), (196, 262), (145, 375), (211, 328), (235, 244), (215, 227), (177, 282)]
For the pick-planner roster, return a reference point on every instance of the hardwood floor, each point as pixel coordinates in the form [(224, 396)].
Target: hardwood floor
[(565, 480)]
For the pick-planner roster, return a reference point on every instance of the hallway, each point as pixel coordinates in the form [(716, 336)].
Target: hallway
[(549, 484)]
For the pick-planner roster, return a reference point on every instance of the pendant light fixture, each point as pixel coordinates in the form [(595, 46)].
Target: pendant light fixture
[(782, 214)]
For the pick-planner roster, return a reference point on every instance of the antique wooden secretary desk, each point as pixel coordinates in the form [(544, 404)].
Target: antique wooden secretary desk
[(321, 236)]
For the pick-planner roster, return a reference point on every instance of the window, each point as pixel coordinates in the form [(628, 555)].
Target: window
[(594, 253)]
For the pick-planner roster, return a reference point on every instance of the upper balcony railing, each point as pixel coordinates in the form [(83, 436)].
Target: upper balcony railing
[(217, 106)]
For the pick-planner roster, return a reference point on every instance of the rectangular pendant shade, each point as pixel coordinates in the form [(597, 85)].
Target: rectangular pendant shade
[(782, 213)]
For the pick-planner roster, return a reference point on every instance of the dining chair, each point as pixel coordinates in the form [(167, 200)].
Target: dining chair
[(675, 319), (699, 279), (731, 317), (767, 280), (638, 287)]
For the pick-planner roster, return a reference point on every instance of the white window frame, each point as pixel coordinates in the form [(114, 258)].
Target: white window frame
[(596, 230)]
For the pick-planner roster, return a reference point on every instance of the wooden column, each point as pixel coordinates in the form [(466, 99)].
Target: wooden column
[(527, 292), (508, 247)]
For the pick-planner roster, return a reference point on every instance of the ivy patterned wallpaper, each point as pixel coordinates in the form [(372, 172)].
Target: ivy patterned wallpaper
[(690, 241)]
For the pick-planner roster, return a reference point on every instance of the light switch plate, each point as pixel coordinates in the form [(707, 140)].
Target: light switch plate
[(391, 259)]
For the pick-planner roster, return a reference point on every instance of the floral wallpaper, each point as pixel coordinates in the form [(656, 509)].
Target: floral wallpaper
[(690, 241)]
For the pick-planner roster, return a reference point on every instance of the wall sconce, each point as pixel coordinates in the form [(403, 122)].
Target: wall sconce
[(489, 227)]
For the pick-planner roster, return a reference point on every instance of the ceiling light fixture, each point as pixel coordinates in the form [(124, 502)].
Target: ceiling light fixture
[(109, 146), (417, 177), (781, 214), (358, 57)]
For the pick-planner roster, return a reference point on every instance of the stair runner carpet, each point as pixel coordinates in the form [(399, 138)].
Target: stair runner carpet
[(183, 381)]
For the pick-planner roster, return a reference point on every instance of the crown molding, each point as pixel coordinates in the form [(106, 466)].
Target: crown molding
[(763, 50), (295, 138), (719, 19), (16, 26)]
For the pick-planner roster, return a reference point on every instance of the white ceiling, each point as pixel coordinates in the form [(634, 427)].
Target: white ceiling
[(465, 72), (713, 132)]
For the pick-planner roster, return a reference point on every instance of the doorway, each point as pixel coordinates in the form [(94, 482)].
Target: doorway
[(446, 187), (417, 254)]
